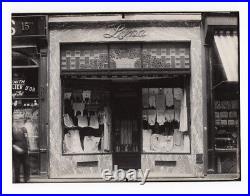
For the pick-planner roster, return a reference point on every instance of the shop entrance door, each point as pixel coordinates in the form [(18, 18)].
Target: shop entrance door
[(126, 126)]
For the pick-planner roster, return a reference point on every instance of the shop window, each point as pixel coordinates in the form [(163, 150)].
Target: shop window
[(165, 120), (224, 135), (25, 110), (86, 121)]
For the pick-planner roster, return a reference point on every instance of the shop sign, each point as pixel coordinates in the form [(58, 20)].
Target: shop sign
[(28, 26), (121, 32), (21, 89)]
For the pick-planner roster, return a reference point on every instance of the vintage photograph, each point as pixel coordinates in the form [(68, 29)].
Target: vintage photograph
[(125, 97)]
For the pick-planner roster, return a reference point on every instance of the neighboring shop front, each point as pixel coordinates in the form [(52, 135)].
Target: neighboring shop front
[(29, 84), (126, 90), (222, 63)]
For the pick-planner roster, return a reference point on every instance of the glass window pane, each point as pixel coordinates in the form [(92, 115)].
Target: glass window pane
[(87, 121), (165, 120)]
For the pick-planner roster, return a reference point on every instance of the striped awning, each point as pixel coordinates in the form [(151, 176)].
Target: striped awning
[(226, 43)]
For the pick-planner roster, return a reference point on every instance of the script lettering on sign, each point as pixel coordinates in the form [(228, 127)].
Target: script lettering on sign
[(121, 32)]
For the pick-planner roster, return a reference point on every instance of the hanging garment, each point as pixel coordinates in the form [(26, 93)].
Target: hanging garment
[(183, 114), (160, 100), (169, 115), (146, 139), (152, 101), (32, 131), (161, 117), (177, 110), (145, 98), (160, 107), (76, 142), (169, 97), (151, 117), (178, 137), (178, 93), (78, 107), (83, 121), (153, 91), (91, 143), (67, 95), (107, 127), (72, 142), (68, 122), (160, 143), (86, 95), (93, 122)]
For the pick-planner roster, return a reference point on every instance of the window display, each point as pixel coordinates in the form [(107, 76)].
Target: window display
[(25, 111), (165, 120), (226, 134), (86, 121)]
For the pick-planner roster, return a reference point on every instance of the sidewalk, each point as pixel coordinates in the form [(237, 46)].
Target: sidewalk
[(210, 177)]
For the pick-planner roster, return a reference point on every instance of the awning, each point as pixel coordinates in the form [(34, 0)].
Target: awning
[(226, 43)]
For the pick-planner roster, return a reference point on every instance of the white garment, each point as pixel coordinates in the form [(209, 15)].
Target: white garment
[(67, 121), (72, 142), (178, 93), (78, 107), (146, 138), (86, 94), (161, 117), (169, 97), (93, 122), (178, 138), (169, 114), (82, 121), (160, 102), (151, 100), (183, 114), (107, 128), (160, 143), (91, 143), (151, 117)]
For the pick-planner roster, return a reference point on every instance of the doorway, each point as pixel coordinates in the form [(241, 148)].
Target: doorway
[(126, 126)]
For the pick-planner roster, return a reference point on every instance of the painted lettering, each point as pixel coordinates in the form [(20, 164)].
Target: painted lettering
[(120, 32)]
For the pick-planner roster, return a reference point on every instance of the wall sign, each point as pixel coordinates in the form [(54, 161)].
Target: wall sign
[(22, 88), (121, 32), (28, 26)]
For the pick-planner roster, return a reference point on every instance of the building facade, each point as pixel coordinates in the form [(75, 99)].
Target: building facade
[(137, 90)]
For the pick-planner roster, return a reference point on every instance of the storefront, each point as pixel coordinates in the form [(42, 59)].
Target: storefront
[(29, 86), (127, 92), (222, 50), (141, 91)]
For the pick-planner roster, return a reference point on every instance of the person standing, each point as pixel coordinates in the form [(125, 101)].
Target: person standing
[(20, 153)]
